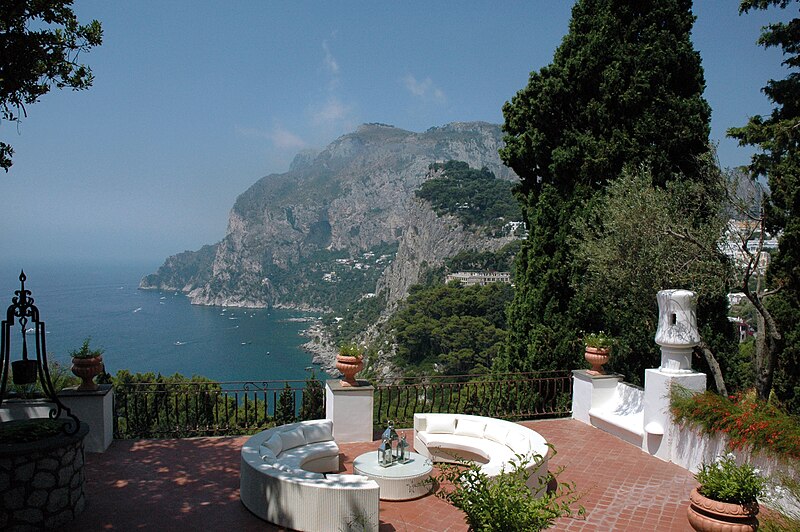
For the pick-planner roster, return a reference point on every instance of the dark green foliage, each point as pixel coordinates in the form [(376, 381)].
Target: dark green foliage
[(625, 88), (153, 405), (501, 260), (29, 430), (303, 283), (778, 159), (150, 405), (630, 249), (460, 329), (40, 42), (504, 502), (474, 196), (313, 403), (355, 318), (285, 409)]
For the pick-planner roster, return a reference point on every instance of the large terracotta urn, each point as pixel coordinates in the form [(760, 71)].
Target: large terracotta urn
[(597, 356), (708, 515), (349, 366), (87, 369)]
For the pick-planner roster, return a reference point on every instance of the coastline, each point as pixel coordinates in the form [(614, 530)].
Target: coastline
[(322, 347)]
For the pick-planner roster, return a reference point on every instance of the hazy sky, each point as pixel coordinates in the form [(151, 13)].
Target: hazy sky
[(193, 102)]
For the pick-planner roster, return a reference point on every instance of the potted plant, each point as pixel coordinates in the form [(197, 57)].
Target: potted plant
[(727, 498), (87, 363), (598, 349), (350, 361)]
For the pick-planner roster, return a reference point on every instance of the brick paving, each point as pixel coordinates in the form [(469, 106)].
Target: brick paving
[(193, 484)]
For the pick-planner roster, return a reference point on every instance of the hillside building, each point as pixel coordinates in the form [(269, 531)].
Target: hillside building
[(479, 278)]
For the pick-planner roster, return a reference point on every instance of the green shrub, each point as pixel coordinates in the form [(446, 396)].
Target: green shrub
[(725, 481), (505, 503), (85, 351)]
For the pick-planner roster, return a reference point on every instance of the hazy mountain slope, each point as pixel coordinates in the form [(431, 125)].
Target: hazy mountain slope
[(290, 235)]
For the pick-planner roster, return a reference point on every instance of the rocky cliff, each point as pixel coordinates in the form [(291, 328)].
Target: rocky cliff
[(324, 232)]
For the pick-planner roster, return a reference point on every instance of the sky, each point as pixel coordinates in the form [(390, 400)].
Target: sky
[(193, 102)]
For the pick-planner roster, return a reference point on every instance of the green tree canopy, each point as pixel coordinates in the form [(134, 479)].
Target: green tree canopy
[(459, 329), (474, 196), (40, 42), (624, 88), (777, 139)]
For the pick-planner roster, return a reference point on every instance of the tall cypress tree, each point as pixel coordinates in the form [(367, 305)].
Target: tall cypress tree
[(624, 88)]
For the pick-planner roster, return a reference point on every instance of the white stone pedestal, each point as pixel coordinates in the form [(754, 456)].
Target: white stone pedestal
[(350, 408), (96, 409), (591, 390), (659, 428)]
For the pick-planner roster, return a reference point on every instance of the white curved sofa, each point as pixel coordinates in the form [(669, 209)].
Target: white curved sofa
[(490, 442), (283, 480)]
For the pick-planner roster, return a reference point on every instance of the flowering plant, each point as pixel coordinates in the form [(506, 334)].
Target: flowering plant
[(743, 419), (725, 481), (351, 350), (598, 340)]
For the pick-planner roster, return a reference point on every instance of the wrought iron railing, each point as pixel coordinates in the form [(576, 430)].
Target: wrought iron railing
[(512, 396), (183, 409), (169, 409)]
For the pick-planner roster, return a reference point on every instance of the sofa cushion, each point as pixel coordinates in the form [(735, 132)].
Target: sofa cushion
[(298, 456), (453, 444), (292, 438), (441, 424), (518, 442), (322, 431), (496, 431), (469, 427), (297, 473), (266, 453), (274, 444)]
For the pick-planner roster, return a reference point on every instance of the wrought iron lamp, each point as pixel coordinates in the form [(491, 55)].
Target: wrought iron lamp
[(25, 371)]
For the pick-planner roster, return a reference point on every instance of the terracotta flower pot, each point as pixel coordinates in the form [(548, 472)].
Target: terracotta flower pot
[(707, 515), (87, 369), (596, 356), (349, 366)]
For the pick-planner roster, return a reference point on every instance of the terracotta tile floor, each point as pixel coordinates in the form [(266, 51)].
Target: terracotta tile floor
[(193, 484)]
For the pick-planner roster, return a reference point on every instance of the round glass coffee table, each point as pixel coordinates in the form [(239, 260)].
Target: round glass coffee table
[(398, 482)]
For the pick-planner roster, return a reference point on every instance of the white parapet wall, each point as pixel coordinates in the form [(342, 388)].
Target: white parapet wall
[(350, 408), (95, 408)]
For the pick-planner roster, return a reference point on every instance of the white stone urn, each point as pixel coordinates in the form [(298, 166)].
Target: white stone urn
[(677, 332)]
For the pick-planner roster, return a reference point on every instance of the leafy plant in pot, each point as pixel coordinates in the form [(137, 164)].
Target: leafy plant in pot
[(727, 498), (598, 350), (87, 363), (350, 361)]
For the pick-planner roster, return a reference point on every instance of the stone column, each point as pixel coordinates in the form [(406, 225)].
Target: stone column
[(677, 335), (351, 409)]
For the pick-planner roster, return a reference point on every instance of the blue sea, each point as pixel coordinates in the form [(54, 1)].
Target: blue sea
[(155, 331)]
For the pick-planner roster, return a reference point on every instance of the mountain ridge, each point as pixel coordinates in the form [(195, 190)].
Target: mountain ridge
[(354, 198)]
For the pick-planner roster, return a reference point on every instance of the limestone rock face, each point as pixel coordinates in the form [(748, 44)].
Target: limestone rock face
[(427, 241), (354, 196)]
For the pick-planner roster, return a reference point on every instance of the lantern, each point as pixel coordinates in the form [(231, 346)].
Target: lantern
[(385, 453), (401, 453)]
